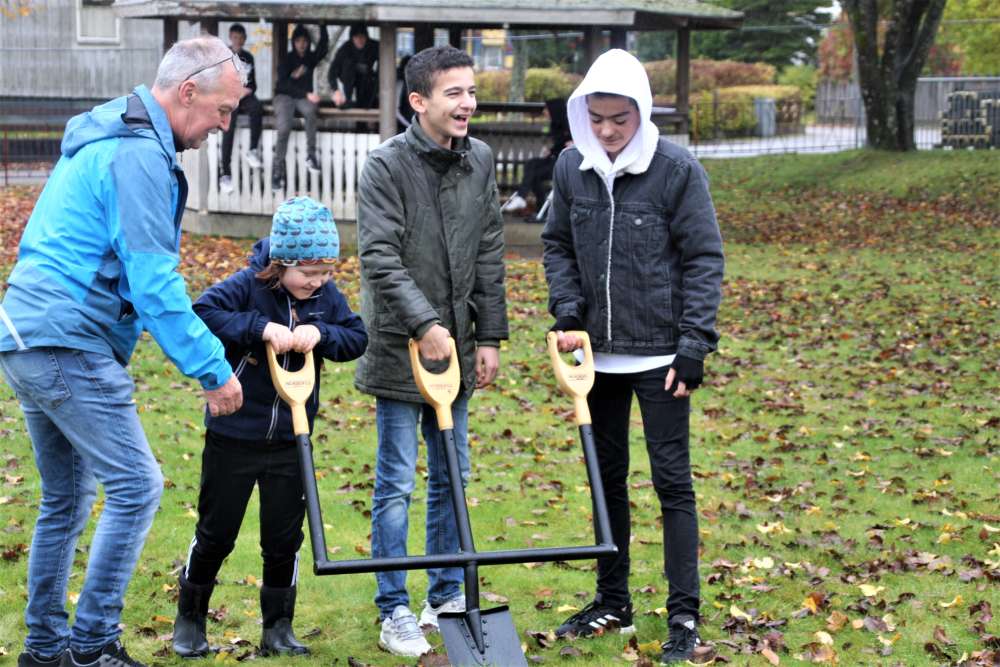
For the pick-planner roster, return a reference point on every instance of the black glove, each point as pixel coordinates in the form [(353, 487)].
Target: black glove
[(567, 323), (689, 371)]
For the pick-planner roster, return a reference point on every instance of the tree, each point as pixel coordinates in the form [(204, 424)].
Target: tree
[(974, 27), (889, 63), (778, 32)]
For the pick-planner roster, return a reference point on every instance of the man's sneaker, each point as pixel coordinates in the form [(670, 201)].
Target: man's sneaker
[(598, 618), (514, 204), (253, 158), (683, 641), (226, 184), (112, 655), (277, 182), (401, 635), (29, 659), (312, 165), (429, 616)]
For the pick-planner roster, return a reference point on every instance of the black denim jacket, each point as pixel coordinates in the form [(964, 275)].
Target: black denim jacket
[(642, 269)]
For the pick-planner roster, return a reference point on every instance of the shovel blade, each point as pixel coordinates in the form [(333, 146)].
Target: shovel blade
[(502, 645)]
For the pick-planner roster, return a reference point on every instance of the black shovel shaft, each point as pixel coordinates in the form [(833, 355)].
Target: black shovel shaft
[(322, 565), (314, 514), (602, 524)]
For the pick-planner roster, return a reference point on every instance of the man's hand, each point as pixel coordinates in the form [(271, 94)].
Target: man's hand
[(312, 97), (279, 336), (338, 97), (487, 362), (298, 71), (688, 374), (567, 342), (305, 337), (433, 345), (225, 400)]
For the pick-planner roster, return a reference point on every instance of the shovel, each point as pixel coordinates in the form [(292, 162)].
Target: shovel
[(577, 381), (476, 636)]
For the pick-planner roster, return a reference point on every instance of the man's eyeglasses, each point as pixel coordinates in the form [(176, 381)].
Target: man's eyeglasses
[(235, 59)]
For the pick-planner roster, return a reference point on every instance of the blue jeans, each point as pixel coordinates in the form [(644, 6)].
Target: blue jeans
[(395, 473), (85, 430)]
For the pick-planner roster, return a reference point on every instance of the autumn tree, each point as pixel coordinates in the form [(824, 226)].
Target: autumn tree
[(889, 62), (974, 27)]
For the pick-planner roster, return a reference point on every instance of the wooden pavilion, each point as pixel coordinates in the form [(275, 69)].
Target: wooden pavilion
[(593, 17)]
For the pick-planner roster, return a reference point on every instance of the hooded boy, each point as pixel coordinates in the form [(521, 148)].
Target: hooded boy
[(633, 256)]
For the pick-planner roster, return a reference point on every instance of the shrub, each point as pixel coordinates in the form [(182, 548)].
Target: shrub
[(735, 115), (540, 84), (803, 77), (707, 75)]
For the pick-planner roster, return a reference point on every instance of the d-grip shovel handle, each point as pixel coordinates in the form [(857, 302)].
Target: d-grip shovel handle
[(574, 380), (438, 389), (294, 387)]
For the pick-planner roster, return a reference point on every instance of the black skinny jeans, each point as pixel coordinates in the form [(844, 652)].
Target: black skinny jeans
[(665, 424), (229, 470)]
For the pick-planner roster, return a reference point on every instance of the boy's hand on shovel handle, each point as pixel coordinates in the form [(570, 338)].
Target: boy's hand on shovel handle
[(225, 400), (434, 344), (279, 336)]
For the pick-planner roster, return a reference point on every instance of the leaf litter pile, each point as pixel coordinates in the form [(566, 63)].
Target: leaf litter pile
[(844, 450)]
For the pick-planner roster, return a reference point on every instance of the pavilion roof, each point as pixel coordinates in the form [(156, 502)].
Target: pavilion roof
[(629, 14)]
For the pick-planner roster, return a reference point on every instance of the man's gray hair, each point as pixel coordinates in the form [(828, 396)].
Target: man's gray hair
[(190, 55)]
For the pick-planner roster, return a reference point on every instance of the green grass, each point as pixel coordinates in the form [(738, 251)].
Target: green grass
[(847, 437)]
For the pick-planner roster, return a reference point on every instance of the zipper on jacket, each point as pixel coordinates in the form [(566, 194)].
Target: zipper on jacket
[(611, 241), (277, 398)]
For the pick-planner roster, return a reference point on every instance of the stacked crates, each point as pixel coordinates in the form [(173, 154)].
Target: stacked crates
[(972, 120)]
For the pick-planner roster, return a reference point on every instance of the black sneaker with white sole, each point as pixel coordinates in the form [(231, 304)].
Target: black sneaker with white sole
[(29, 659), (683, 641), (598, 618), (112, 655)]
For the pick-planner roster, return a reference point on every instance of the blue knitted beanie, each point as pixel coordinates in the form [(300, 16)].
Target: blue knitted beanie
[(303, 232)]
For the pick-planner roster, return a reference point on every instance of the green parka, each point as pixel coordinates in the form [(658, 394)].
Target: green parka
[(430, 240)]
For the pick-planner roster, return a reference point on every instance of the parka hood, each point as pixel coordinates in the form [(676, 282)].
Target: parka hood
[(135, 114), (619, 73)]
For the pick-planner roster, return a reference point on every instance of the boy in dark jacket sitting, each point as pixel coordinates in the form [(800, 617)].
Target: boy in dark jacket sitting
[(286, 298)]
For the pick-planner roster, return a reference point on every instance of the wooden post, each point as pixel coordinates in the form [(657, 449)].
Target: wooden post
[(423, 37), (455, 37), (592, 46), (387, 80), (279, 46), (683, 69), (169, 33), (619, 38)]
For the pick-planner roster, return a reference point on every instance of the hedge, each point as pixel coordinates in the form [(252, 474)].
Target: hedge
[(735, 115), (540, 84)]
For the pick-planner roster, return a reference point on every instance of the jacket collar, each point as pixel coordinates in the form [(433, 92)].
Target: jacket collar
[(161, 125), (440, 159)]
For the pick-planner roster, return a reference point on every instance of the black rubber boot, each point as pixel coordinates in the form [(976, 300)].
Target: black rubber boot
[(277, 606), (189, 626)]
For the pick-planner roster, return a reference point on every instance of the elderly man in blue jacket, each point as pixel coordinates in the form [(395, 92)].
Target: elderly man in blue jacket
[(97, 265)]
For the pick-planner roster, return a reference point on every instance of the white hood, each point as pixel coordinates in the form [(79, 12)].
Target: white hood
[(620, 73)]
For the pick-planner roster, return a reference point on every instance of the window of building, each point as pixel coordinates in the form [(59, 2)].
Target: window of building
[(96, 22)]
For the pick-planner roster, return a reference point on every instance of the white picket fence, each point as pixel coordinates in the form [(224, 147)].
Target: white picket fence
[(341, 157)]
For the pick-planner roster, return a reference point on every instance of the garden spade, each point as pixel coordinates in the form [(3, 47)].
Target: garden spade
[(577, 381), (477, 636)]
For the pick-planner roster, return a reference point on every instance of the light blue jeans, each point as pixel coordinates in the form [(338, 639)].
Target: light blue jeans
[(395, 473), (84, 430)]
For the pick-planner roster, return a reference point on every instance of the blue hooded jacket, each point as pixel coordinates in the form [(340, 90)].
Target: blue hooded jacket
[(98, 258), (237, 310)]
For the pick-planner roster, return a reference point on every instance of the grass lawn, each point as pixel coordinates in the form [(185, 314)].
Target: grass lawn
[(845, 447)]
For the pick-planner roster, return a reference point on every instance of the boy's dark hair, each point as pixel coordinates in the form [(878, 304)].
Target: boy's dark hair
[(600, 95), (424, 67), (301, 31), (238, 27)]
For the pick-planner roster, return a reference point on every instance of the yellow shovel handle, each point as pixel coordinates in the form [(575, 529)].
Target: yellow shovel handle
[(438, 389), (294, 387), (574, 380)]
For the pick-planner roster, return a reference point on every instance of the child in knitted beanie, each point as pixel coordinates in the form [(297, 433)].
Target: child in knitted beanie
[(287, 298)]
